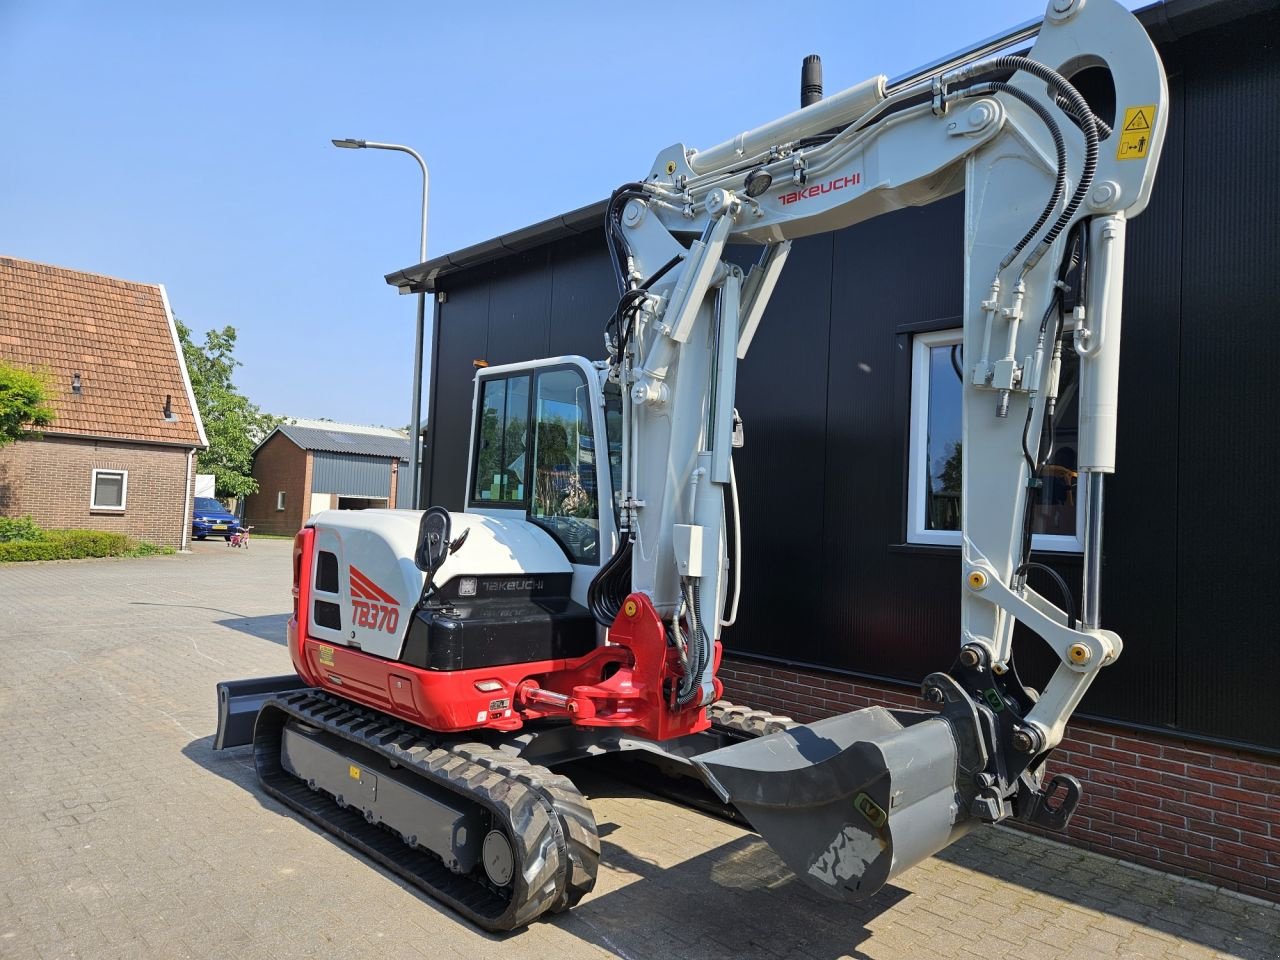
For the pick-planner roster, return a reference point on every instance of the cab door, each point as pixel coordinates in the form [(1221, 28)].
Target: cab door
[(539, 449)]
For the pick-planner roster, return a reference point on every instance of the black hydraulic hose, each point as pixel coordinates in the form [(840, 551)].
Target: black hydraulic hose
[(1080, 109), (1076, 106), (609, 587), (1068, 600), (623, 319), (613, 232), (1060, 147), (1104, 128)]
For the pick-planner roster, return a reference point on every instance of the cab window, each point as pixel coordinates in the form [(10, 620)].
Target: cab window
[(565, 499), (500, 477)]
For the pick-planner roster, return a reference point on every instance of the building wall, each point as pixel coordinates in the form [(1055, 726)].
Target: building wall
[(1201, 810), (51, 479), (280, 465), (351, 474)]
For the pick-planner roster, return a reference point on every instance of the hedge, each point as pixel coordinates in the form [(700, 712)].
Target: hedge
[(68, 545), (18, 528)]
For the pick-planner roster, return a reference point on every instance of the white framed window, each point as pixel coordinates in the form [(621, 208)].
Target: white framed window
[(108, 490), (280, 500), (933, 495)]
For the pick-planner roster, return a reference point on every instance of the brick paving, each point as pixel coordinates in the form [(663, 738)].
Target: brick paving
[(123, 836)]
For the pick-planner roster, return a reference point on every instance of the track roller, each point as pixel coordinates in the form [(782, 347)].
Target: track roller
[(496, 838)]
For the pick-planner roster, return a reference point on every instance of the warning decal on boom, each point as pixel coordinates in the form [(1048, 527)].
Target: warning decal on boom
[(1135, 133)]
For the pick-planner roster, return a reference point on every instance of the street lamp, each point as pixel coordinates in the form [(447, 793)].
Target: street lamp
[(415, 428)]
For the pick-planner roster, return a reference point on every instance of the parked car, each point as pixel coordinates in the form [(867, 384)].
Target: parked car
[(210, 518)]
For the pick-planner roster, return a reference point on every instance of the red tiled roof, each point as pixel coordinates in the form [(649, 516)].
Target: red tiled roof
[(117, 335)]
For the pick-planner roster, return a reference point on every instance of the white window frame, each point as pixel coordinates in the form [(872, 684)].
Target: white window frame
[(918, 466), (280, 501), (124, 491)]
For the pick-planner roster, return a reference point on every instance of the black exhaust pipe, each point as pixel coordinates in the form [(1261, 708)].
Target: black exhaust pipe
[(810, 80)]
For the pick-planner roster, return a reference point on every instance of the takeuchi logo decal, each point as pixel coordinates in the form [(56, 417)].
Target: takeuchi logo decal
[(371, 606), (839, 183)]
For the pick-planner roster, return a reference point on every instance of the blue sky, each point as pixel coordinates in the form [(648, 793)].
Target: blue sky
[(188, 144)]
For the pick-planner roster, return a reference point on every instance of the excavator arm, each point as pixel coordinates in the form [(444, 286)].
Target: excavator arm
[(1049, 188)]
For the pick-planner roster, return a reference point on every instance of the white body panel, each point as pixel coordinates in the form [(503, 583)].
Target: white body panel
[(381, 545)]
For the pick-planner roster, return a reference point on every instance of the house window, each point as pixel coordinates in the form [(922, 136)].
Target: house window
[(933, 502), (109, 490), (280, 500)]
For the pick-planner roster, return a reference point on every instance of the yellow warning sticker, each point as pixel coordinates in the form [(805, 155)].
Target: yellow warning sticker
[(326, 655), (1133, 139), (354, 772)]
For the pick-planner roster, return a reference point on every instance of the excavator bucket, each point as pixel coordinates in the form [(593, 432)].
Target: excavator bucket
[(851, 801)]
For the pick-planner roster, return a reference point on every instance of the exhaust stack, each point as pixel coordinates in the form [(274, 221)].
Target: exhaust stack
[(810, 80)]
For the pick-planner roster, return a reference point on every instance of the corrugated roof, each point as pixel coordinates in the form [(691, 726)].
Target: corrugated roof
[(345, 441), (344, 427), (116, 334)]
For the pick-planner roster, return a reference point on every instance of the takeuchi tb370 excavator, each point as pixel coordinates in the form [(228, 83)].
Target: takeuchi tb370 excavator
[(448, 663)]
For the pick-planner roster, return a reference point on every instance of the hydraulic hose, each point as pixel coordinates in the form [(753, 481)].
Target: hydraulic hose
[(1076, 107), (611, 585), (1060, 147)]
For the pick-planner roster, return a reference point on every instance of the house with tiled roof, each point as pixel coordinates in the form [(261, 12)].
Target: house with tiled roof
[(305, 466), (121, 453)]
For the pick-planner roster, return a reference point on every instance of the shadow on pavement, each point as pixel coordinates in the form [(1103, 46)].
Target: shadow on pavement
[(236, 765), (736, 899), (269, 627), (662, 911)]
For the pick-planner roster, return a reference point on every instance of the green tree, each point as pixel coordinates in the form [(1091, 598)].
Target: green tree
[(232, 424), (23, 409)]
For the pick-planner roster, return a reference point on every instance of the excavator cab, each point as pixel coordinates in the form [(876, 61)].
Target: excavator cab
[(541, 452)]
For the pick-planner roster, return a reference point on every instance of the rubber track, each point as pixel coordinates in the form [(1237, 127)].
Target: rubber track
[(745, 721), (576, 819), (531, 820)]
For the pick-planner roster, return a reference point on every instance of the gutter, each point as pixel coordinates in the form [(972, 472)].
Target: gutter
[(103, 438), (1166, 23)]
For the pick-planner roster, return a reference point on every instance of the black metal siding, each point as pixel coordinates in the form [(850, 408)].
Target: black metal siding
[(1189, 575), (1228, 467)]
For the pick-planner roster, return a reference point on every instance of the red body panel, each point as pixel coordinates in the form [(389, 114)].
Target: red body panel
[(625, 683)]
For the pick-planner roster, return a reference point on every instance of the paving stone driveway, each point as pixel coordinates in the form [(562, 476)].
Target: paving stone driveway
[(123, 835)]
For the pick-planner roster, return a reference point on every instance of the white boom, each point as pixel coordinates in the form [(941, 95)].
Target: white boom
[(1012, 134)]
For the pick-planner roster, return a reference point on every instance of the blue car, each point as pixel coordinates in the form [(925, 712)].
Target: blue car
[(210, 518)]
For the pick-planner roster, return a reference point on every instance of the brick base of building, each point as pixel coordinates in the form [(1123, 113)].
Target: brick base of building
[(1184, 807)]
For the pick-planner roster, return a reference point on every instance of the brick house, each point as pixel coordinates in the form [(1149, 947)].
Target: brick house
[(121, 454), (305, 466)]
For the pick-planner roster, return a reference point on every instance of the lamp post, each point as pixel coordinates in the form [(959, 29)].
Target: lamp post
[(415, 428)]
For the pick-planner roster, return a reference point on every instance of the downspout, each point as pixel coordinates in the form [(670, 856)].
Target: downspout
[(186, 510)]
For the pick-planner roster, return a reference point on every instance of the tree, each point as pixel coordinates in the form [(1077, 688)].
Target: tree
[(232, 424), (23, 409)]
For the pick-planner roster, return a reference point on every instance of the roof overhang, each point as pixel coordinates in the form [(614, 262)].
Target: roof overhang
[(1166, 22)]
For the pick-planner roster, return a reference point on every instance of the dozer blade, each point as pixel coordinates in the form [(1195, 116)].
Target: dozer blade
[(850, 801)]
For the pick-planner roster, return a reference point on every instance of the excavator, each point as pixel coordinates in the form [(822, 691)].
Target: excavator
[(448, 664)]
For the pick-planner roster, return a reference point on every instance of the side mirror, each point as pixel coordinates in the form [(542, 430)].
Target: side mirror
[(433, 540)]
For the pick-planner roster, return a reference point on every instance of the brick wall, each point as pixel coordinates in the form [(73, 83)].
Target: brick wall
[(280, 465), (51, 480), (1194, 809)]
